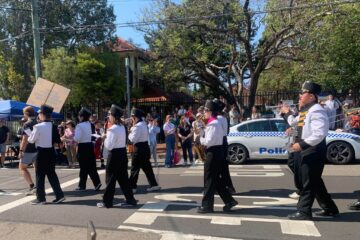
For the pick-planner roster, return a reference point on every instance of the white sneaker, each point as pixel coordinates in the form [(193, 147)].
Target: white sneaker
[(100, 205), (294, 195), (153, 188)]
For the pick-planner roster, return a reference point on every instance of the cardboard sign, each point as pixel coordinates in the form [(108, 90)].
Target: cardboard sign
[(46, 92)]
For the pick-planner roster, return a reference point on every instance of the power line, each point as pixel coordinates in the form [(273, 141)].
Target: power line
[(190, 19)]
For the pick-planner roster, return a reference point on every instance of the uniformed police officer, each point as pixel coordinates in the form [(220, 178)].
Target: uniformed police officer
[(225, 171), (86, 155), (117, 161), (310, 153), (45, 135), (138, 135), (213, 141)]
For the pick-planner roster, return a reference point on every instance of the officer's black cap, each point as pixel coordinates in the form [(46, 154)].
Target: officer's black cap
[(116, 111), (84, 112), (137, 113), (211, 106), (46, 109), (310, 87)]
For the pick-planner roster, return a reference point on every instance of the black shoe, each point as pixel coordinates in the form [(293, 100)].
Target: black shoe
[(228, 206), (38, 202), (102, 166), (299, 216), (355, 206), (327, 213), (58, 200), (97, 188), (205, 210)]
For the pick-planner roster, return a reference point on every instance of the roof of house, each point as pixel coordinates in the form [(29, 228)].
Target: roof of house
[(122, 45)]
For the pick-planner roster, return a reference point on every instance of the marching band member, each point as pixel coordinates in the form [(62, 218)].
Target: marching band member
[(225, 172), (45, 135), (213, 140), (117, 162), (86, 155), (310, 154), (141, 157)]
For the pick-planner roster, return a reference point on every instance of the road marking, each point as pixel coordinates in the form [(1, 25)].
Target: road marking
[(161, 206), (276, 201), (170, 235), (302, 228), (242, 171), (21, 201), (5, 193)]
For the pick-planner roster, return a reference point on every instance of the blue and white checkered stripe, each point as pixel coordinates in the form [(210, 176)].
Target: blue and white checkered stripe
[(282, 134), (257, 134), (341, 135)]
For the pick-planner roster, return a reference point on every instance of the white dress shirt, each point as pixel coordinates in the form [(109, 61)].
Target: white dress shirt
[(83, 132), (213, 134), (115, 137), (224, 124), (139, 133), (42, 135), (316, 125)]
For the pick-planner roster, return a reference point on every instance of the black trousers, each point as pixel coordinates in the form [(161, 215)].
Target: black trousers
[(116, 170), (225, 171), (141, 160), (292, 164), (45, 166), (212, 177), (312, 186), (87, 162)]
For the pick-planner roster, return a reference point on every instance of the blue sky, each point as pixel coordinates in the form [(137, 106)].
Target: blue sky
[(130, 11)]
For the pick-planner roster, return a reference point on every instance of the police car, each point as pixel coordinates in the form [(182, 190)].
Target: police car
[(266, 139)]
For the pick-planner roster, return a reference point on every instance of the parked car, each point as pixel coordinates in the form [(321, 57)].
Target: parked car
[(266, 139)]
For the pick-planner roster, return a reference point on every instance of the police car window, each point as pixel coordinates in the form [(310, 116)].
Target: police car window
[(260, 126), (279, 125), (243, 128)]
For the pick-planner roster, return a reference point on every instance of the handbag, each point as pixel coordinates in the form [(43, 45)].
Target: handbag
[(176, 157)]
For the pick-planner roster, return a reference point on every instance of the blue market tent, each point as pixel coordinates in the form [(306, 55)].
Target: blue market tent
[(13, 110)]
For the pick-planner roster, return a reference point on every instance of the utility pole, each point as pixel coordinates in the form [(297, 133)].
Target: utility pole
[(127, 66), (36, 36)]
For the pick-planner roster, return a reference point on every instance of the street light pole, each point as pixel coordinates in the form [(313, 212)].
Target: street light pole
[(36, 36), (127, 85)]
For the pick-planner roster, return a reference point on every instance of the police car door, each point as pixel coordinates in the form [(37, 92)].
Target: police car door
[(259, 139), (280, 139)]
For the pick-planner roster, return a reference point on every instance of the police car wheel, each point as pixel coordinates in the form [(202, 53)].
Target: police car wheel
[(340, 153), (237, 154)]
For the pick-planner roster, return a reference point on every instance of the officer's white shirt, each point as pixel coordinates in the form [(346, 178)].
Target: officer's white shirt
[(316, 125), (115, 137), (139, 133), (83, 132), (213, 134), (224, 124), (42, 135)]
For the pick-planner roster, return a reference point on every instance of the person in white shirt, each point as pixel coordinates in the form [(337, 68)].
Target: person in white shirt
[(45, 135), (332, 106), (117, 161), (312, 125), (213, 140), (234, 116), (169, 131), (225, 173), (86, 155), (139, 135)]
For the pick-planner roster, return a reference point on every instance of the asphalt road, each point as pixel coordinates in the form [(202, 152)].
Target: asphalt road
[(262, 192)]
